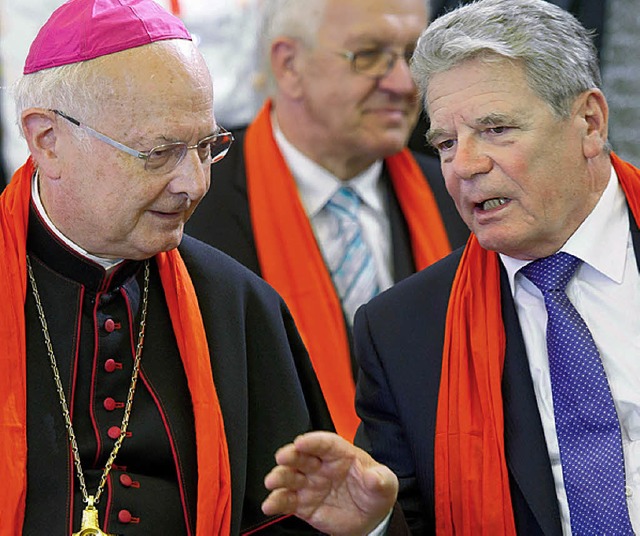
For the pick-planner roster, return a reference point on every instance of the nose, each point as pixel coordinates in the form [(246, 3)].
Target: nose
[(191, 177), (398, 79), (469, 159)]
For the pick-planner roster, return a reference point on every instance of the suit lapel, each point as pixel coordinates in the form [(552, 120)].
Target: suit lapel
[(525, 447), (403, 262)]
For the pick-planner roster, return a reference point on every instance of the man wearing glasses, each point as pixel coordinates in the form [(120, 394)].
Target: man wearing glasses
[(135, 363), (320, 196)]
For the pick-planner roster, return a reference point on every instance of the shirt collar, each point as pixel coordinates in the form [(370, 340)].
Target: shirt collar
[(608, 223), (316, 185)]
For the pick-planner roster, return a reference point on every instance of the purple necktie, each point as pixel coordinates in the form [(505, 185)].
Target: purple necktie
[(586, 420)]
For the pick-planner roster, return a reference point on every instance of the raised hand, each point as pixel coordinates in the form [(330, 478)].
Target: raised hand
[(331, 484)]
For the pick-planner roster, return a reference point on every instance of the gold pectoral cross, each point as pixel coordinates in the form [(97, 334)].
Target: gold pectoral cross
[(90, 525)]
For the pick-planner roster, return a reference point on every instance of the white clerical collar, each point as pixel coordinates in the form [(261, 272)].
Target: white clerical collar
[(107, 264), (608, 223)]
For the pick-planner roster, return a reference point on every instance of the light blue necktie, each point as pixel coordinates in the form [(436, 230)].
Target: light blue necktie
[(587, 424), (347, 254)]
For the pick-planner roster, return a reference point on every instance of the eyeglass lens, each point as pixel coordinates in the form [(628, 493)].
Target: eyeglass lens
[(210, 150), (377, 62)]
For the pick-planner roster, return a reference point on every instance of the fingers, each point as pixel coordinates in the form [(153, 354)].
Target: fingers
[(284, 477), (294, 482), (283, 482), (291, 456), (280, 502), (324, 445)]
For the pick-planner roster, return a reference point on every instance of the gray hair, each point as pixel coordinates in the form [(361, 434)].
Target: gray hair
[(78, 89), (556, 51), (296, 19)]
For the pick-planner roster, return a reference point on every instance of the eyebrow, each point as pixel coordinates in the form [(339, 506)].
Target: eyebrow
[(496, 118), (499, 119), (434, 133)]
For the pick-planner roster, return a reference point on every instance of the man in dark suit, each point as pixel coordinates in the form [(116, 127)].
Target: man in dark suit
[(502, 384), (343, 105)]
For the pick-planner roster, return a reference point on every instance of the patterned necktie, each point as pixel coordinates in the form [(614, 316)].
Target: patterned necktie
[(348, 256), (586, 420)]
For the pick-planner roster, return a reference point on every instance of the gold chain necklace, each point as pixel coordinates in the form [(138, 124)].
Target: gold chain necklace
[(90, 525)]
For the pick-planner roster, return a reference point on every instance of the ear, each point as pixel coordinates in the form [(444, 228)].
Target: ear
[(594, 112), (41, 132), (285, 65)]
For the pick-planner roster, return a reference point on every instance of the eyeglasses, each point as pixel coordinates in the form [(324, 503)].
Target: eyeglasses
[(374, 62), (166, 157)]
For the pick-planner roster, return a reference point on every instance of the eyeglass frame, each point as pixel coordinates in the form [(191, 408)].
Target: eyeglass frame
[(392, 55), (145, 155)]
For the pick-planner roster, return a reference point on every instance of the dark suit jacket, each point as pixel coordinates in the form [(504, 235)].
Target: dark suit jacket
[(399, 341)]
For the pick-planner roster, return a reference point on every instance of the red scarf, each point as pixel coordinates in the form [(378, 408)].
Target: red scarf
[(471, 478), (214, 481), (292, 263)]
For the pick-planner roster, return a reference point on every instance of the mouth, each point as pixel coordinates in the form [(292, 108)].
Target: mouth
[(172, 211), (389, 112), (168, 214), (493, 203)]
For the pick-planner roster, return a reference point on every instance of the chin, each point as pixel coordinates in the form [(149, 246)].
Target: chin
[(492, 242), (392, 146), (150, 248)]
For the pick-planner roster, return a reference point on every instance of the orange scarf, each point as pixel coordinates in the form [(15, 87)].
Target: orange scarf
[(214, 481), (292, 263), (471, 479)]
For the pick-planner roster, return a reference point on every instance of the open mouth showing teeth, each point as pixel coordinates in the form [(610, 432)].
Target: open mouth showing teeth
[(493, 203)]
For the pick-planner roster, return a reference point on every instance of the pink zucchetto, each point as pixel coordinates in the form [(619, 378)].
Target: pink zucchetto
[(81, 30)]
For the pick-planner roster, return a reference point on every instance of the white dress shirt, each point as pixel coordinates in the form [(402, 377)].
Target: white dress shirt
[(605, 290), (316, 186)]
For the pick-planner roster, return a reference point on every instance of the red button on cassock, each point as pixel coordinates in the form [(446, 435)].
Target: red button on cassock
[(111, 364), (124, 516), (114, 432), (109, 404), (109, 325), (126, 480)]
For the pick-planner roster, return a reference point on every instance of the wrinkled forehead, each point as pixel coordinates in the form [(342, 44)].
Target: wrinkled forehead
[(167, 70), (478, 95), (481, 75), (161, 83)]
